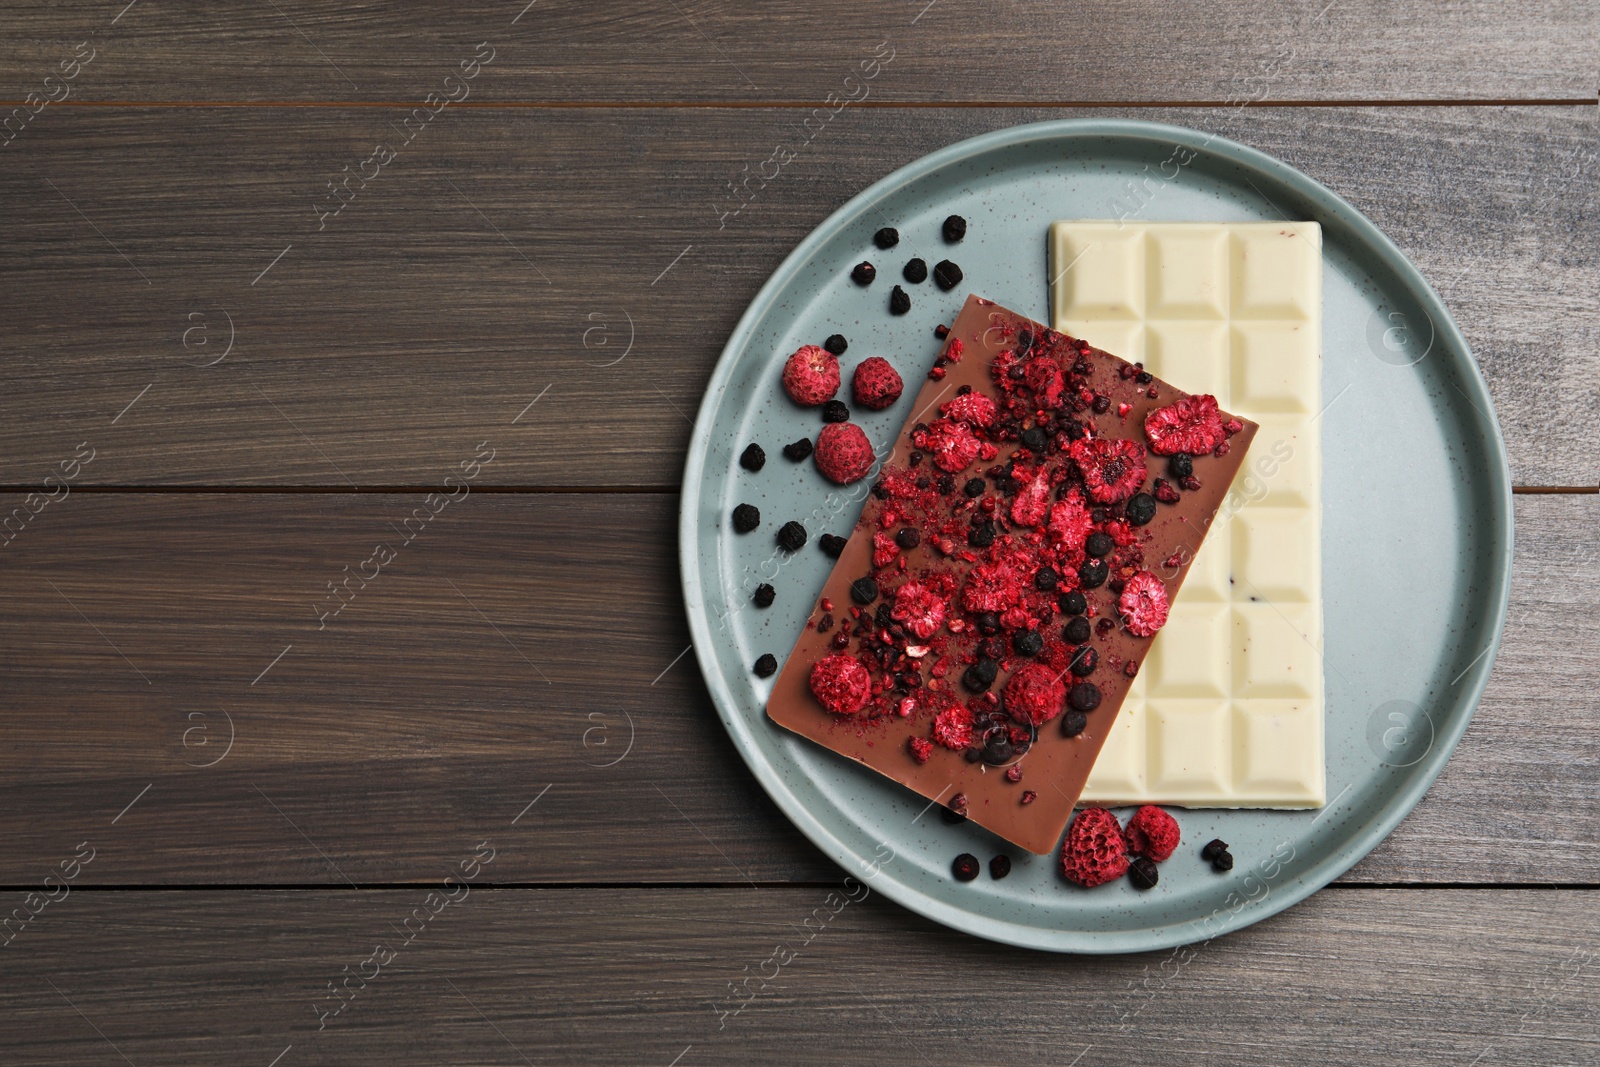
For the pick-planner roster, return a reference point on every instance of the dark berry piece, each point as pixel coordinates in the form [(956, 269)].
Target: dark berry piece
[(1045, 579), (982, 535), (1215, 847), (999, 867), (835, 411), (971, 755), (832, 544), (1085, 696), (1073, 603), (1190, 483), (946, 275), (1024, 341), (916, 271), (974, 487), (1141, 508), (836, 344), (746, 517), (1093, 573), (946, 484), (1101, 405), (1099, 545), (899, 301), (1027, 642), (1104, 626), (955, 813), (753, 458), (1142, 873), (966, 867), (1144, 377), (908, 537), (764, 596), (884, 615), (887, 237), (1166, 492), (988, 623), (863, 590), (1084, 663), (941, 331), (1222, 862), (766, 666), (1034, 439), (1181, 464), (799, 450), (980, 675), (997, 747), (954, 228), (863, 273), (792, 536), (1073, 722)]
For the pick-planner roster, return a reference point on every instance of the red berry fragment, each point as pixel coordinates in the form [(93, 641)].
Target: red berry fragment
[(811, 376), (919, 609), (876, 384), (1191, 425), (844, 454), (1143, 604), (1094, 852), (952, 727), (1153, 833), (1033, 694), (951, 444), (841, 684), (1113, 468), (921, 749)]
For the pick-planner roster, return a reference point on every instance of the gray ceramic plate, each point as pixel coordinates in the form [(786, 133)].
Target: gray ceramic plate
[(1416, 526)]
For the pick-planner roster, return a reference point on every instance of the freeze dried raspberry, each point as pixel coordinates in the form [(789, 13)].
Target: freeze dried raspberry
[(884, 550), (918, 608), (1043, 376), (876, 384), (1094, 852), (1070, 523), (1033, 694), (1032, 501), (951, 444), (990, 587), (841, 684), (844, 454), (1143, 604), (1113, 468), (921, 749), (952, 727), (811, 376), (972, 408), (1190, 425), (1152, 832)]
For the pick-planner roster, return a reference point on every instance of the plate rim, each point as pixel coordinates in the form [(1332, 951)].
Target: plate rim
[(1329, 866)]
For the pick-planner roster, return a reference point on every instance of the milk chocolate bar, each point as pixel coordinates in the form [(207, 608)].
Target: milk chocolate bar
[(1017, 554)]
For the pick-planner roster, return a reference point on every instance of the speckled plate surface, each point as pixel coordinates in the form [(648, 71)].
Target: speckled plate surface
[(1403, 394)]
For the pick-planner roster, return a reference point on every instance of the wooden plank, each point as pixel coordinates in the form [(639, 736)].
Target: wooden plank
[(489, 263), (524, 642), (982, 50), (643, 976)]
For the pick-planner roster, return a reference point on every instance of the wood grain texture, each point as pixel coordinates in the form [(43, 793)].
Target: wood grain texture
[(519, 643), (1128, 50), (640, 976), (471, 274)]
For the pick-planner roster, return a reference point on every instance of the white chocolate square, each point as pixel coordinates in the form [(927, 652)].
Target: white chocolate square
[(1227, 710)]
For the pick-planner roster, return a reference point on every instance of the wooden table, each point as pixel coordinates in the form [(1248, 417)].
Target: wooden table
[(274, 273)]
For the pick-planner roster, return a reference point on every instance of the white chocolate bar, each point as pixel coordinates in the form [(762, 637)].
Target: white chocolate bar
[(1227, 710)]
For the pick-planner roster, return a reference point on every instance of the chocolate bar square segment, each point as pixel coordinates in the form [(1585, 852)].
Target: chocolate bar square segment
[(983, 661)]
